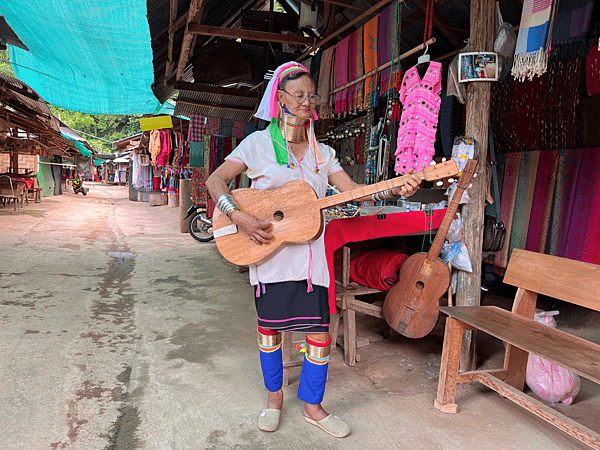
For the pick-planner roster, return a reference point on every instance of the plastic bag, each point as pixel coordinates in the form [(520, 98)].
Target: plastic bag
[(547, 380)]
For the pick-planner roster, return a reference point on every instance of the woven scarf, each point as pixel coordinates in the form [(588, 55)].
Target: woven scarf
[(341, 74), (531, 53), (325, 83), (569, 34)]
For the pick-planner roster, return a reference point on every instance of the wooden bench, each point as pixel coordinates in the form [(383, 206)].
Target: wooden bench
[(12, 191), (532, 273)]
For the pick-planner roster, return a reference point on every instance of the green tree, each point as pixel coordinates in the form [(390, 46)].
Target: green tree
[(5, 67)]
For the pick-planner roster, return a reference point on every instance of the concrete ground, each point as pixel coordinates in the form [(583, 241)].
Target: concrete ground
[(119, 332)]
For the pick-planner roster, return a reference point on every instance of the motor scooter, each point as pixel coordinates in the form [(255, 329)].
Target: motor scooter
[(78, 186), (200, 226)]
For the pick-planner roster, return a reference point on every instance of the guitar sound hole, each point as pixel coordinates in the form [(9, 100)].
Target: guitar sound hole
[(278, 216), (420, 285)]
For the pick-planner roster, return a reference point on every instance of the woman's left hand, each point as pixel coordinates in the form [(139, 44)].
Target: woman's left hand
[(410, 187)]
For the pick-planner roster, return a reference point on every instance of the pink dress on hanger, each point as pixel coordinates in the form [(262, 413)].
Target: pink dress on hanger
[(418, 124)]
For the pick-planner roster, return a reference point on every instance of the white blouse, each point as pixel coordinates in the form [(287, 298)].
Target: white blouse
[(291, 262)]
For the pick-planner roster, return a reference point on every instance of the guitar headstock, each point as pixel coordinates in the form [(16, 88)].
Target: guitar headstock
[(442, 170), (467, 174)]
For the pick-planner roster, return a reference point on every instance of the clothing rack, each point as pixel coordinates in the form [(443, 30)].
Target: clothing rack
[(386, 65)]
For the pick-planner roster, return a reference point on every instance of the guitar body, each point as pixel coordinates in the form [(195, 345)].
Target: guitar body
[(290, 209), (410, 307)]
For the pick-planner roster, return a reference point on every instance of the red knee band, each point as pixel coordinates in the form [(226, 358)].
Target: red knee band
[(267, 332), (319, 344)]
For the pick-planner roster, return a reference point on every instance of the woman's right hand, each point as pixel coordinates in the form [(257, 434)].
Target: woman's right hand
[(255, 228)]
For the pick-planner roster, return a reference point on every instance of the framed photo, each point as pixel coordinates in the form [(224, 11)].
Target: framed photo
[(477, 66)]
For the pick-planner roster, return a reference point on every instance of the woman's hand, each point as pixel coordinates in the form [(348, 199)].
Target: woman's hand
[(255, 228), (410, 187)]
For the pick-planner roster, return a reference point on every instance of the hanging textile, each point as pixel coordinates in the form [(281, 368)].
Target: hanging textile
[(239, 129), (507, 203), (199, 190), (418, 123), (154, 145), (165, 149), (371, 54), (250, 128), (387, 46), (535, 31), (326, 83), (541, 204), (341, 75), (207, 147), (525, 106), (570, 30), (196, 154), (592, 75), (558, 112), (213, 125), (226, 128), (356, 70), (197, 127), (528, 167)]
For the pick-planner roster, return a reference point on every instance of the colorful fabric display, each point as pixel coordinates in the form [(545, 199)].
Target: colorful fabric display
[(592, 75), (197, 127), (535, 31), (356, 70), (569, 34), (213, 125), (341, 74), (226, 127), (313, 376), (371, 55), (196, 154), (271, 360), (388, 46), (419, 120), (239, 129), (326, 83)]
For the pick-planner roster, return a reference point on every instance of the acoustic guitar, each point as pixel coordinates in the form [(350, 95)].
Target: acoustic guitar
[(410, 307), (294, 211)]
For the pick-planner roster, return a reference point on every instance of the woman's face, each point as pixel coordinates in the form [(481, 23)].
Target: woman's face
[(302, 88)]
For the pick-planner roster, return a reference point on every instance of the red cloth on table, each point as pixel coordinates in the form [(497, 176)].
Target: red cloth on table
[(341, 231), (377, 269), (28, 181)]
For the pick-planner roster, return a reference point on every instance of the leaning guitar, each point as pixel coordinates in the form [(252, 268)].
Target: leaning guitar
[(295, 213), (410, 307)]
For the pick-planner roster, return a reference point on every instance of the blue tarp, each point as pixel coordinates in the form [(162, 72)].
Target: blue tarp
[(91, 56)]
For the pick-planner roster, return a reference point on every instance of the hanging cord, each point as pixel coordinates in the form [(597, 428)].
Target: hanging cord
[(428, 21)]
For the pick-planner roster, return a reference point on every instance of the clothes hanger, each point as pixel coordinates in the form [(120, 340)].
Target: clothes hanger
[(424, 58)]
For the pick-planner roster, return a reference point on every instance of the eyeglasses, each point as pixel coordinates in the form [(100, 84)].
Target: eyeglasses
[(312, 98)]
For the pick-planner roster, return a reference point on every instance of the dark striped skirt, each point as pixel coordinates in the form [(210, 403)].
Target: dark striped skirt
[(286, 306)]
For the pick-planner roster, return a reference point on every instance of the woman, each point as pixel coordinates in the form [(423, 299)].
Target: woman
[(291, 285)]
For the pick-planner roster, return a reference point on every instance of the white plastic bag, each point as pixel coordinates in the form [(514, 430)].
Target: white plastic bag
[(547, 380)]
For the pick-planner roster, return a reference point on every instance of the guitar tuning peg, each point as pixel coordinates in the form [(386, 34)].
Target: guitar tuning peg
[(474, 175), (470, 185), (432, 163), (444, 159), (450, 180), (439, 183)]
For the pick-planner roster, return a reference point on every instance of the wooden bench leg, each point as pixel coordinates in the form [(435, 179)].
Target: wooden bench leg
[(349, 316), (334, 326), (453, 337)]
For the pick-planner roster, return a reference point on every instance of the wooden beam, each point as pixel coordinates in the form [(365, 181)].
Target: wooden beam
[(208, 89), (172, 17), (238, 33), (468, 290), (345, 5), (366, 15), (194, 16)]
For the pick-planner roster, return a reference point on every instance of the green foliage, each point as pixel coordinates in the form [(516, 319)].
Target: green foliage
[(107, 127), (5, 67)]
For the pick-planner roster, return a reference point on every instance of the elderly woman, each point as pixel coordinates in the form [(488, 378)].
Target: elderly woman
[(291, 285)]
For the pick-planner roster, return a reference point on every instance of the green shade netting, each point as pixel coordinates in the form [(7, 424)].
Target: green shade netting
[(84, 151), (89, 56)]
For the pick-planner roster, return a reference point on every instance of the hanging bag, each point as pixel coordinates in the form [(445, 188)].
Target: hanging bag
[(494, 232)]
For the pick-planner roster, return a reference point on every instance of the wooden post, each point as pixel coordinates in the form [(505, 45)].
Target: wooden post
[(185, 201), (468, 291)]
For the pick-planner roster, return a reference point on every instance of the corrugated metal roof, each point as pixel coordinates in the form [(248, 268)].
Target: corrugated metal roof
[(218, 105)]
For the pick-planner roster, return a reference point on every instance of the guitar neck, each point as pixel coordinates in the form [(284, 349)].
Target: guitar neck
[(364, 191)]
